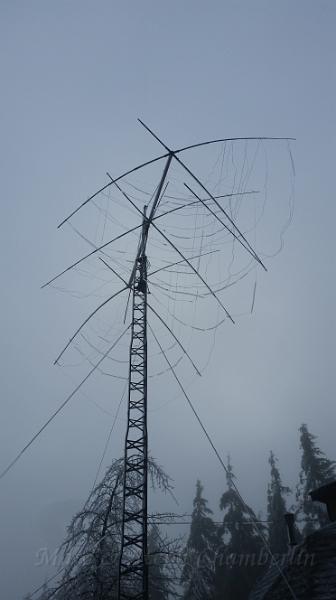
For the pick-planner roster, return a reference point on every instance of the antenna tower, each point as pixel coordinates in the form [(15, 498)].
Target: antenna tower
[(133, 561), (133, 564)]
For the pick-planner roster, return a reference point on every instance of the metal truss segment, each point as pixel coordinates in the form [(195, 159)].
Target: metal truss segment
[(133, 573)]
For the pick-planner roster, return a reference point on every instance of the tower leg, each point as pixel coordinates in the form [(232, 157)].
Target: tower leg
[(133, 568)]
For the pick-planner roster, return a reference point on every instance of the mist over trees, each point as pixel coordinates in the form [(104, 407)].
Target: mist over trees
[(240, 557), (218, 559)]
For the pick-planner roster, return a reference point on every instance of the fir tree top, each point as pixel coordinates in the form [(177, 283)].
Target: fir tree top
[(238, 527), (197, 575), (202, 526), (316, 470), (276, 508)]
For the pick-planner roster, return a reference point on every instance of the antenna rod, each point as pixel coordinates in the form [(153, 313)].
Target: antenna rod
[(147, 221)]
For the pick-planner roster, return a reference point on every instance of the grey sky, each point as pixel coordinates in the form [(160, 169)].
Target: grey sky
[(75, 76)]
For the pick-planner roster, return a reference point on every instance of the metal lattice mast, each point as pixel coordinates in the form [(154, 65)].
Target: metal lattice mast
[(133, 564), (133, 577)]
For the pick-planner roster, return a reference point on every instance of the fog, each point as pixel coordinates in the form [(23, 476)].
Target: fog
[(75, 78)]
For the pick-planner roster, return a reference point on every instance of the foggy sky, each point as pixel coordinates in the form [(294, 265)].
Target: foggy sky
[(75, 77)]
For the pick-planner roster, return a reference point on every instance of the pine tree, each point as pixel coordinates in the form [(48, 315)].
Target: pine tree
[(198, 570), (316, 470), (244, 559), (45, 593), (158, 578), (276, 509)]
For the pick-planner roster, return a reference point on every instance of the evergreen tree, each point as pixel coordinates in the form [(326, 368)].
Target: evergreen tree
[(198, 570), (45, 593), (316, 470), (276, 508), (158, 579), (243, 561)]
